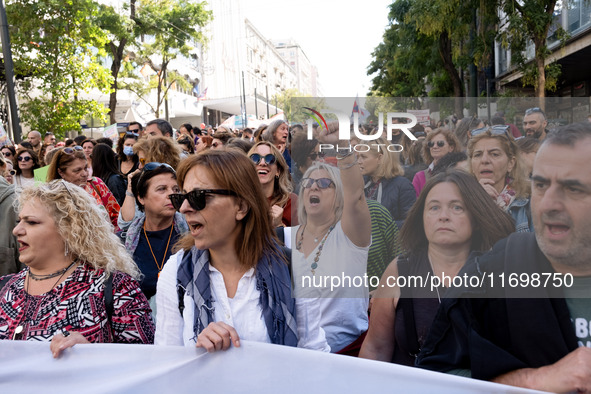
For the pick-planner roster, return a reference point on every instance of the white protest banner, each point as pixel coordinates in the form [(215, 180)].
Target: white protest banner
[(422, 116), (111, 132), (28, 367), (4, 140)]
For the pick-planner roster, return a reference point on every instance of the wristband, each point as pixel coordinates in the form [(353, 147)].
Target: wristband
[(128, 193)]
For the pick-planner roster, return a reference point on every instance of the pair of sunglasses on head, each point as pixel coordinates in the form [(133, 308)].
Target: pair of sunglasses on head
[(196, 198), (494, 130)]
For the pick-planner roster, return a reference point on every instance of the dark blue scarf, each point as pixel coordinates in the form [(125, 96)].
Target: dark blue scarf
[(273, 283)]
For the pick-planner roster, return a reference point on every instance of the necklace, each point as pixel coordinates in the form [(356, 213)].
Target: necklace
[(314, 264), (20, 328), (165, 250), (49, 276), (436, 287)]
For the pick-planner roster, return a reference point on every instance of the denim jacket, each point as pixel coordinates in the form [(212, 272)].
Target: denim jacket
[(520, 210)]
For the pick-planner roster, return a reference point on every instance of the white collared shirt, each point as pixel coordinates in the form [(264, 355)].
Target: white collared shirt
[(241, 312)]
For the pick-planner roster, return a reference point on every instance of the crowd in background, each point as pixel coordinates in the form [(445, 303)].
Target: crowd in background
[(233, 218)]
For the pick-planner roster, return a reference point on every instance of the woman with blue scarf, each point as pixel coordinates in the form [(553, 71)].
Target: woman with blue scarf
[(231, 279)]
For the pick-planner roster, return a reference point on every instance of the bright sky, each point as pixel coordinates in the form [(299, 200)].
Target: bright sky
[(338, 36)]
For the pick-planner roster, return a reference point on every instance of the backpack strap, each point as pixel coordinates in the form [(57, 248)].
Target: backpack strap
[(407, 306), (105, 202), (4, 280), (108, 294), (280, 232)]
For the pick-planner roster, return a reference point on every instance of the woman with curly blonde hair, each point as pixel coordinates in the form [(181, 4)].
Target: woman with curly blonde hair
[(79, 284), (158, 149), (273, 174)]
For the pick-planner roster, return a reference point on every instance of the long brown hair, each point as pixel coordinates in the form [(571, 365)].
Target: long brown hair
[(234, 171), (489, 222)]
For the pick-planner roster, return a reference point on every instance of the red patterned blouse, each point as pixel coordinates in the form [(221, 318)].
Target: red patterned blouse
[(101, 192), (77, 304)]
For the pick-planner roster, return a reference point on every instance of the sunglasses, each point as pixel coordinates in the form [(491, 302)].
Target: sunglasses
[(12, 172), (269, 159), (494, 130), (151, 166), (440, 144), (7, 154), (323, 183), (315, 155), (534, 110), (69, 150), (196, 198), (24, 158)]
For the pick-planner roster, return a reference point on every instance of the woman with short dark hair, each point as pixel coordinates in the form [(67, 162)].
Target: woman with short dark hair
[(152, 234), (127, 160)]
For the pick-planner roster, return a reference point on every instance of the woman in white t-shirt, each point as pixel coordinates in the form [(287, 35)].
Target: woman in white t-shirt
[(331, 246)]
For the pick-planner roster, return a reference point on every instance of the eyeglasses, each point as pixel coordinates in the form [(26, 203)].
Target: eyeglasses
[(7, 154), (440, 144), (323, 183), (196, 198), (12, 172), (269, 159), (315, 155), (494, 130), (24, 158), (534, 110), (69, 150)]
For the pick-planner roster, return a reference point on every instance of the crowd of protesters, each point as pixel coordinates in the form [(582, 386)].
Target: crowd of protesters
[(207, 237)]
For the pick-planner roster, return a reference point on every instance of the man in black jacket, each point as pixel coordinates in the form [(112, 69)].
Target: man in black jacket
[(529, 331)]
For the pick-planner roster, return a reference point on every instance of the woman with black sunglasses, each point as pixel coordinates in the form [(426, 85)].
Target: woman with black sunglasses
[(28, 162), (154, 231), (230, 280), (10, 153), (273, 174), (438, 143)]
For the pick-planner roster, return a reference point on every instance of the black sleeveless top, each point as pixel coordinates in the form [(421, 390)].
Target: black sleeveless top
[(415, 304)]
